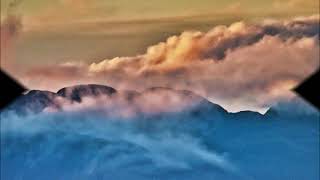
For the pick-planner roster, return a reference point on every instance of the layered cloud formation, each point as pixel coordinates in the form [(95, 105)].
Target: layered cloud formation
[(242, 66)]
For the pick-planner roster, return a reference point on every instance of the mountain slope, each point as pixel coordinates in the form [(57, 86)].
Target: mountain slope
[(155, 100), (175, 135), (75, 93)]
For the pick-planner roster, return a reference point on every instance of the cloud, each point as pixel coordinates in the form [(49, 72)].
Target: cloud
[(130, 104), (241, 66)]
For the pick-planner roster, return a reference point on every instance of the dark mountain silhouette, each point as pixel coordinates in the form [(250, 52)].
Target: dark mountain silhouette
[(35, 101), (75, 93)]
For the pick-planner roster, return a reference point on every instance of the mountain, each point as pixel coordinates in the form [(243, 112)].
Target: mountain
[(156, 101), (295, 107), (33, 102), (167, 134), (75, 93)]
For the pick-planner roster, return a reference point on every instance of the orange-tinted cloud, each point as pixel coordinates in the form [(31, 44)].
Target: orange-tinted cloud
[(242, 66)]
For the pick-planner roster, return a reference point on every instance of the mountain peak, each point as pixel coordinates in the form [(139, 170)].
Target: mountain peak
[(292, 107), (75, 93), (153, 100)]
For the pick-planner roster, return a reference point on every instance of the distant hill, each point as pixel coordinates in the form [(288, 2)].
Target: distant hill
[(156, 100)]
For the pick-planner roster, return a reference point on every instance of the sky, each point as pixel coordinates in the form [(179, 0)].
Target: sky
[(90, 30), (45, 42), (140, 9)]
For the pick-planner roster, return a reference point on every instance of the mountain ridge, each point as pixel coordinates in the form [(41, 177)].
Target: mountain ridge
[(36, 101)]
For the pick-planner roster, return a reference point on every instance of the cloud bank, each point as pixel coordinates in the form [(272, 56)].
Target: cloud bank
[(241, 66)]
